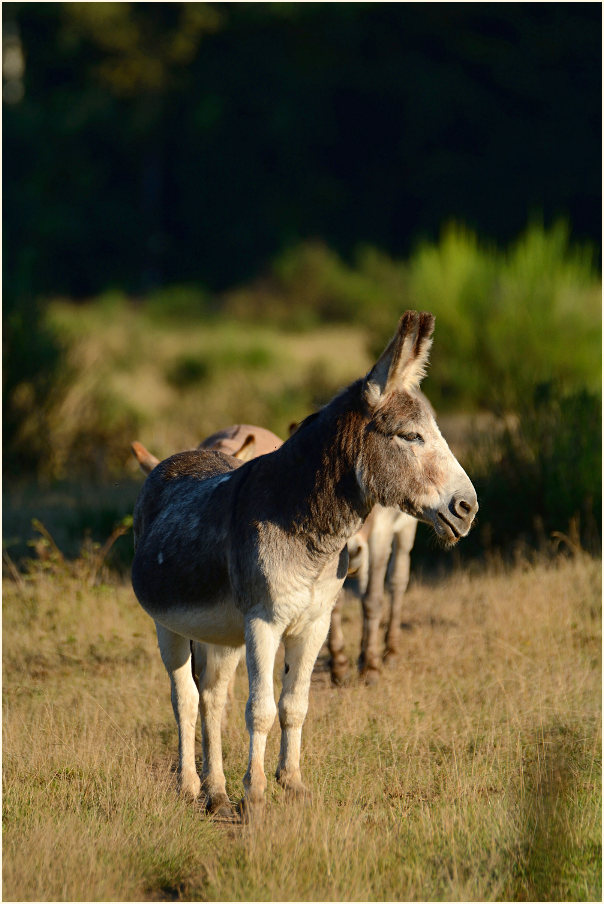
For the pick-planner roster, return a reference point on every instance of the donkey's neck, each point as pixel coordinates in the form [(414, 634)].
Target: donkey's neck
[(319, 499)]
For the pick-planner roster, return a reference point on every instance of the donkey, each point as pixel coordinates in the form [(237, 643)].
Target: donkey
[(256, 553), (368, 555)]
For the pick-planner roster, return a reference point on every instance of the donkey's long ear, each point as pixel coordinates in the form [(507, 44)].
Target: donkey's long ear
[(403, 363), (248, 450)]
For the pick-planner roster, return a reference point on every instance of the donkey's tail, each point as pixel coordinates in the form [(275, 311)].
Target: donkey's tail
[(146, 461)]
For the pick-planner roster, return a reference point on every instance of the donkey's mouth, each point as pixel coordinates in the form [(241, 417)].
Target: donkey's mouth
[(453, 535)]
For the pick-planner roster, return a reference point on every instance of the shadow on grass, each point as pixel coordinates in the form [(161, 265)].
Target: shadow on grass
[(549, 864)]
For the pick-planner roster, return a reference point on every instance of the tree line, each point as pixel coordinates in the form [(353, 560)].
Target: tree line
[(152, 143)]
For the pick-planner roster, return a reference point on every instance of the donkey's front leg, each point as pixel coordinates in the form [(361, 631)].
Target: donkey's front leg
[(176, 656), (262, 640), (220, 665), (301, 651)]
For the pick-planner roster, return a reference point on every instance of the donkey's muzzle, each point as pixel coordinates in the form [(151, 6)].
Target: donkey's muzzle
[(454, 520)]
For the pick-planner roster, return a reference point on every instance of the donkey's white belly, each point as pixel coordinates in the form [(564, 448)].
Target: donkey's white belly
[(221, 623)]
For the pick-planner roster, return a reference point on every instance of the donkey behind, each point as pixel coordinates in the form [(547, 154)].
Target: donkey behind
[(256, 554), (386, 536), (242, 441)]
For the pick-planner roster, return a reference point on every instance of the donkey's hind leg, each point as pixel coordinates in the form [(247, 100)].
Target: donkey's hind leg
[(220, 665), (399, 579), (370, 659), (338, 662), (176, 656)]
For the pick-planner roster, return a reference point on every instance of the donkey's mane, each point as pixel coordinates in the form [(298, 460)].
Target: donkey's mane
[(320, 455), (319, 422)]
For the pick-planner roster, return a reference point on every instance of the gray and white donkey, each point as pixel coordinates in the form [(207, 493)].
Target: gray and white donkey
[(386, 535), (256, 553)]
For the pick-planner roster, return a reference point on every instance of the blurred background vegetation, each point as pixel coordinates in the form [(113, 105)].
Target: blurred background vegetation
[(215, 213)]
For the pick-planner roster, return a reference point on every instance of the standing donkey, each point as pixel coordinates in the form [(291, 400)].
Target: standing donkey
[(385, 531), (256, 553), (242, 441)]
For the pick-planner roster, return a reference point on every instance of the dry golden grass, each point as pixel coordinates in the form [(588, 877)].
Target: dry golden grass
[(472, 772)]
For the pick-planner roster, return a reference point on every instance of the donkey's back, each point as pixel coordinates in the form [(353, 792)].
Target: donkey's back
[(172, 476)]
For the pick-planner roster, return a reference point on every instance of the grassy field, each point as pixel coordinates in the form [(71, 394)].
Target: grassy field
[(472, 772)]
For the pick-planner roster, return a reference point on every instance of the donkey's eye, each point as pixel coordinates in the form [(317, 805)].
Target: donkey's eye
[(411, 437)]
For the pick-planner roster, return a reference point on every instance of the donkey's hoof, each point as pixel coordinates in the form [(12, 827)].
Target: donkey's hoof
[(390, 658), (371, 676), (339, 677), (297, 792), (189, 787), (250, 811), (220, 806), (294, 788), (338, 667)]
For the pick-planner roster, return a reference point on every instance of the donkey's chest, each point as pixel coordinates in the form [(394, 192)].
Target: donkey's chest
[(298, 599)]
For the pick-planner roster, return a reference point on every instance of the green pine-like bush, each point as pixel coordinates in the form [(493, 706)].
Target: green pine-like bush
[(506, 320)]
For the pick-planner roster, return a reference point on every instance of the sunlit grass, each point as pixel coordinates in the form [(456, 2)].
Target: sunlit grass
[(472, 772)]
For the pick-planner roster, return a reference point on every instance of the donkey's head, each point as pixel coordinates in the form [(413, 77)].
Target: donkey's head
[(404, 459)]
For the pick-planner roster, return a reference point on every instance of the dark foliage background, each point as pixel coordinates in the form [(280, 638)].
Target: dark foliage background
[(161, 142), (290, 166)]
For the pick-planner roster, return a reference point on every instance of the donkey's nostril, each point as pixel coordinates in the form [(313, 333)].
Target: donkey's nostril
[(463, 509)]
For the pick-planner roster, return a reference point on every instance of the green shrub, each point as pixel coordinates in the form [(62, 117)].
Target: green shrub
[(544, 472), (33, 372), (306, 285), (190, 370), (505, 321), (178, 303), (545, 322), (313, 277), (186, 371), (456, 280), (90, 436)]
